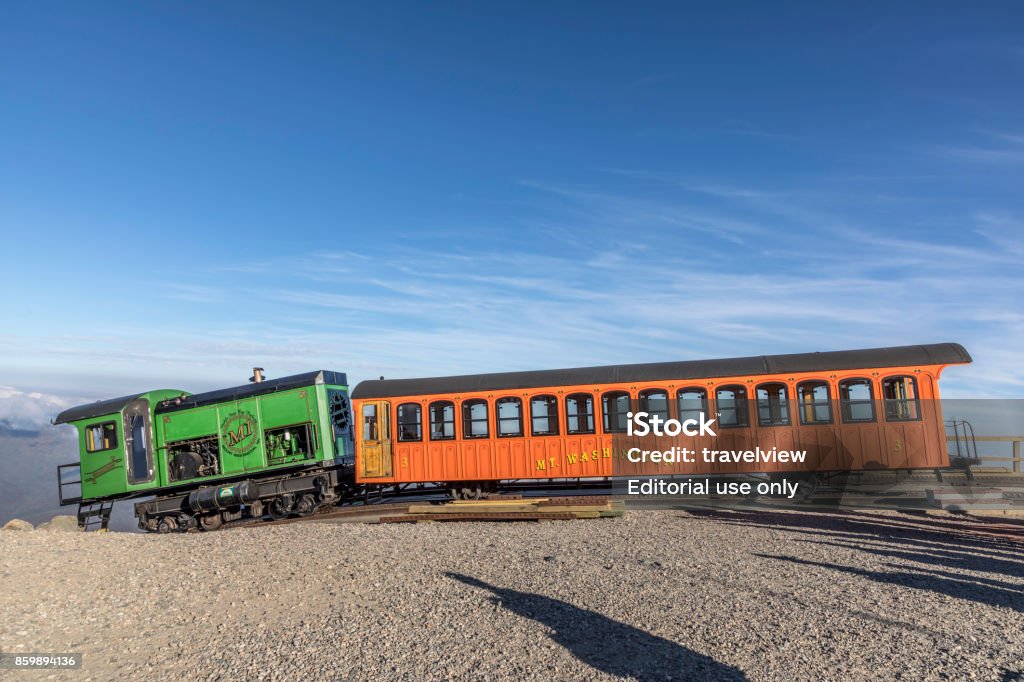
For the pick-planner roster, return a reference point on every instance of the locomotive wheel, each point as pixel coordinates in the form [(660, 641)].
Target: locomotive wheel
[(306, 505), (211, 522), (166, 525), (278, 509)]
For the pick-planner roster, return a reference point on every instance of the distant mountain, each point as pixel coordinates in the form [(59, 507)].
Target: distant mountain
[(28, 475), (28, 471), (9, 430)]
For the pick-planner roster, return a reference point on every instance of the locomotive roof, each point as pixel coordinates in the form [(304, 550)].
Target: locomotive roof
[(102, 407), (897, 356), (322, 376), (96, 409)]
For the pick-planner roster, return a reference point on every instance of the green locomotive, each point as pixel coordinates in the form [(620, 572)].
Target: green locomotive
[(276, 448)]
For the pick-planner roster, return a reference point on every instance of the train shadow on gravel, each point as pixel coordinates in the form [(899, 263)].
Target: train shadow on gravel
[(908, 533), (606, 644), (991, 593), (942, 558)]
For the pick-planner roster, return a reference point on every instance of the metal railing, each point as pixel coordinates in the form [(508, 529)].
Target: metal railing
[(1016, 459), (963, 437), (62, 483)]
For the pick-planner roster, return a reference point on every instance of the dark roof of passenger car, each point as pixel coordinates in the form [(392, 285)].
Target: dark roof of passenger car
[(897, 356)]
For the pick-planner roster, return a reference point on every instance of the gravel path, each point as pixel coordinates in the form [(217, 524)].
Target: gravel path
[(656, 595)]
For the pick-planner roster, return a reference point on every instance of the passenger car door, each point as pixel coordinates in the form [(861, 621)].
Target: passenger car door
[(375, 439)]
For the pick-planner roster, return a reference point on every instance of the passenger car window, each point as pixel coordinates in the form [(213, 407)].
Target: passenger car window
[(410, 422), (654, 402), (814, 404), (579, 413), (442, 420), (544, 415), (510, 417), (474, 419), (772, 405), (732, 407), (901, 401), (692, 401), (857, 400), (615, 407)]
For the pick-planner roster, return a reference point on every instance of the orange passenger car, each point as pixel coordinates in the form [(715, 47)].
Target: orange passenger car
[(849, 410)]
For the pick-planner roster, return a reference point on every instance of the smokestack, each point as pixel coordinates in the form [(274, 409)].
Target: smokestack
[(257, 375)]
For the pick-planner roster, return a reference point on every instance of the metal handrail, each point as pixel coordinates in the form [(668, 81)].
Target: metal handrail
[(962, 429), (61, 483)]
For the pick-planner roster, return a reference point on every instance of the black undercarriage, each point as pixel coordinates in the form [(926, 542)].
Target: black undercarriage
[(297, 493)]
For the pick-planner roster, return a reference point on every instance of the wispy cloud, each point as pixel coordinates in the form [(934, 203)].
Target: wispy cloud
[(666, 269), (22, 410), (192, 293), (1000, 148), (1006, 232)]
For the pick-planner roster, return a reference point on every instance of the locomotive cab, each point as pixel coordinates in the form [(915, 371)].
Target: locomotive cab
[(115, 448)]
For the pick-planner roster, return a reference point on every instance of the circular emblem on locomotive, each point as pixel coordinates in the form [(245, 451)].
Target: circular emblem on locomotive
[(238, 434)]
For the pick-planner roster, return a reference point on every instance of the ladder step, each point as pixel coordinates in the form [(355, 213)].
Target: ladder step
[(92, 514)]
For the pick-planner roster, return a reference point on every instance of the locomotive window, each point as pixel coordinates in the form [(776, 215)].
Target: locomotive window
[(442, 420), (544, 415), (815, 406), (410, 422), (856, 400), (614, 406), (99, 437), (138, 464), (654, 401), (510, 417), (579, 413), (474, 419), (692, 401), (772, 405), (901, 400), (732, 407)]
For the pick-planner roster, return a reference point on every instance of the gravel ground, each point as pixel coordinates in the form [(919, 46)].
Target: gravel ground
[(655, 595)]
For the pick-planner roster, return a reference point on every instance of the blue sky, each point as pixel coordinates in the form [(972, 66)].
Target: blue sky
[(189, 189)]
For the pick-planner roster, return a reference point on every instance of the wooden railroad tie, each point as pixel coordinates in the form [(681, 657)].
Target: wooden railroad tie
[(536, 509)]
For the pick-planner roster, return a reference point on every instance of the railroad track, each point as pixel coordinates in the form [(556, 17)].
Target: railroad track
[(392, 506), (397, 503)]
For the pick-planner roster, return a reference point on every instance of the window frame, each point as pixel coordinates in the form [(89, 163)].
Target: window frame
[(916, 400), (845, 404), (740, 405), (551, 404), (814, 404), (370, 425), (705, 407), (784, 404), (431, 423), (615, 394), (401, 425), (85, 436), (498, 419), (591, 414), (644, 396), (139, 444), (468, 420)]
